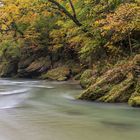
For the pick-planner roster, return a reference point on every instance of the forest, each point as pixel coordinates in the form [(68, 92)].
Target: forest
[(69, 69), (96, 42)]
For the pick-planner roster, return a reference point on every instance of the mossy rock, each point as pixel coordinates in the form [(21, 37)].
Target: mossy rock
[(93, 95), (135, 97), (87, 78), (24, 63), (120, 92), (102, 85), (135, 102), (78, 76), (34, 68), (39, 65), (117, 85), (136, 60), (59, 74), (8, 69)]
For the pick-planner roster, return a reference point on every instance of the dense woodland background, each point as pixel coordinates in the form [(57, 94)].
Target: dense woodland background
[(69, 37)]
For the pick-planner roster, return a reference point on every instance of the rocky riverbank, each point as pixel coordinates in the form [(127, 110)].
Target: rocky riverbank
[(117, 85), (38, 64)]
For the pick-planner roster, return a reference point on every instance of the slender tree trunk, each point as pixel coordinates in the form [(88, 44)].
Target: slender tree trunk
[(130, 43)]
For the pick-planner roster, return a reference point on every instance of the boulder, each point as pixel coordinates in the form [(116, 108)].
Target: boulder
[(35, 68), (135, 97), (120, 92), (103, 84), (9, 68), (59, 74), (135, 102), (87, 78)]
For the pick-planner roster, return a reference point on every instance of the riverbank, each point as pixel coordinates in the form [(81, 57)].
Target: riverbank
[(119, 84), (37, 63), (116, 84)]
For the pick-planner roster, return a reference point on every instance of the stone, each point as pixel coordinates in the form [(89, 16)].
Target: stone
[(59, 74), (87, 78)]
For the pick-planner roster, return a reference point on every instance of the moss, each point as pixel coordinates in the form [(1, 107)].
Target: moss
[(93, 93), (120, 92), (75, 68), (136, 60), (87, 78), (119, 84), (103, 84), (60, 74), (135, 102), (78, 76), (135, 97), (8, 69)]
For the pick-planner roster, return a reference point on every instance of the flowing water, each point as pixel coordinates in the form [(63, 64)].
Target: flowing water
[(41, 110)]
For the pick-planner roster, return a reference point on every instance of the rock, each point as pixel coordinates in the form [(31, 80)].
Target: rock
[(59, 74), (95, 93), (121, 92), (135, 102), (78, 76), (135, 97), (23, 64), (117, 85), (103, 84), (87, 78), (75, 68), (39, 66), (35, 68), (9, 69)]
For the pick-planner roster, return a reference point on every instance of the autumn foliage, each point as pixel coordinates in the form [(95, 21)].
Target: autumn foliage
[(88, 30)]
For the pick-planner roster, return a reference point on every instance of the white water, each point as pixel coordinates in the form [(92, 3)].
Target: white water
[(40, 110)]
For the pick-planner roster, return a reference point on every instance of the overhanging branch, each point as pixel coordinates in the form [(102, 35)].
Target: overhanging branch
[(67, 13)]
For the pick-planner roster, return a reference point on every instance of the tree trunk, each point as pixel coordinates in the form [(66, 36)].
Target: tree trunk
[(130, 43)]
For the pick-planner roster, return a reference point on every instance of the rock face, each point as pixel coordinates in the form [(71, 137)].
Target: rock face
[(33, 68), (117, 85), (33, 62), (134, 100), (59, 74), (38, 64), (9, 69)]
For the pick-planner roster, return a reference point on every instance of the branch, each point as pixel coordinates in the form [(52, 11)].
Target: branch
[(66, 12), (72, 17), (73, 9)]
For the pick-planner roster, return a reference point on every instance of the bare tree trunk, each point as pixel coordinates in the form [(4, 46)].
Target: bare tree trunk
[(130, 43)]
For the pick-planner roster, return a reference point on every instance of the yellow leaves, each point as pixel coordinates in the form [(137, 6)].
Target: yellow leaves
[(106, 27), (56, 47), (3, 27), (122, 21)]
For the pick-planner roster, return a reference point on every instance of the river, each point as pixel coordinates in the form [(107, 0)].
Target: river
[(43, 110)]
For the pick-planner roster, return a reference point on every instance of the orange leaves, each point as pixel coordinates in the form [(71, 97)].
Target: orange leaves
[(121, 22)]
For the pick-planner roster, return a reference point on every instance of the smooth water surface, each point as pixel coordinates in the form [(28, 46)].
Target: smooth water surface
[(41, 110)]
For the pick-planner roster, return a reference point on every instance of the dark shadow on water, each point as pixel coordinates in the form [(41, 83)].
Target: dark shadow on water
[(74, 112), (118, 125)]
